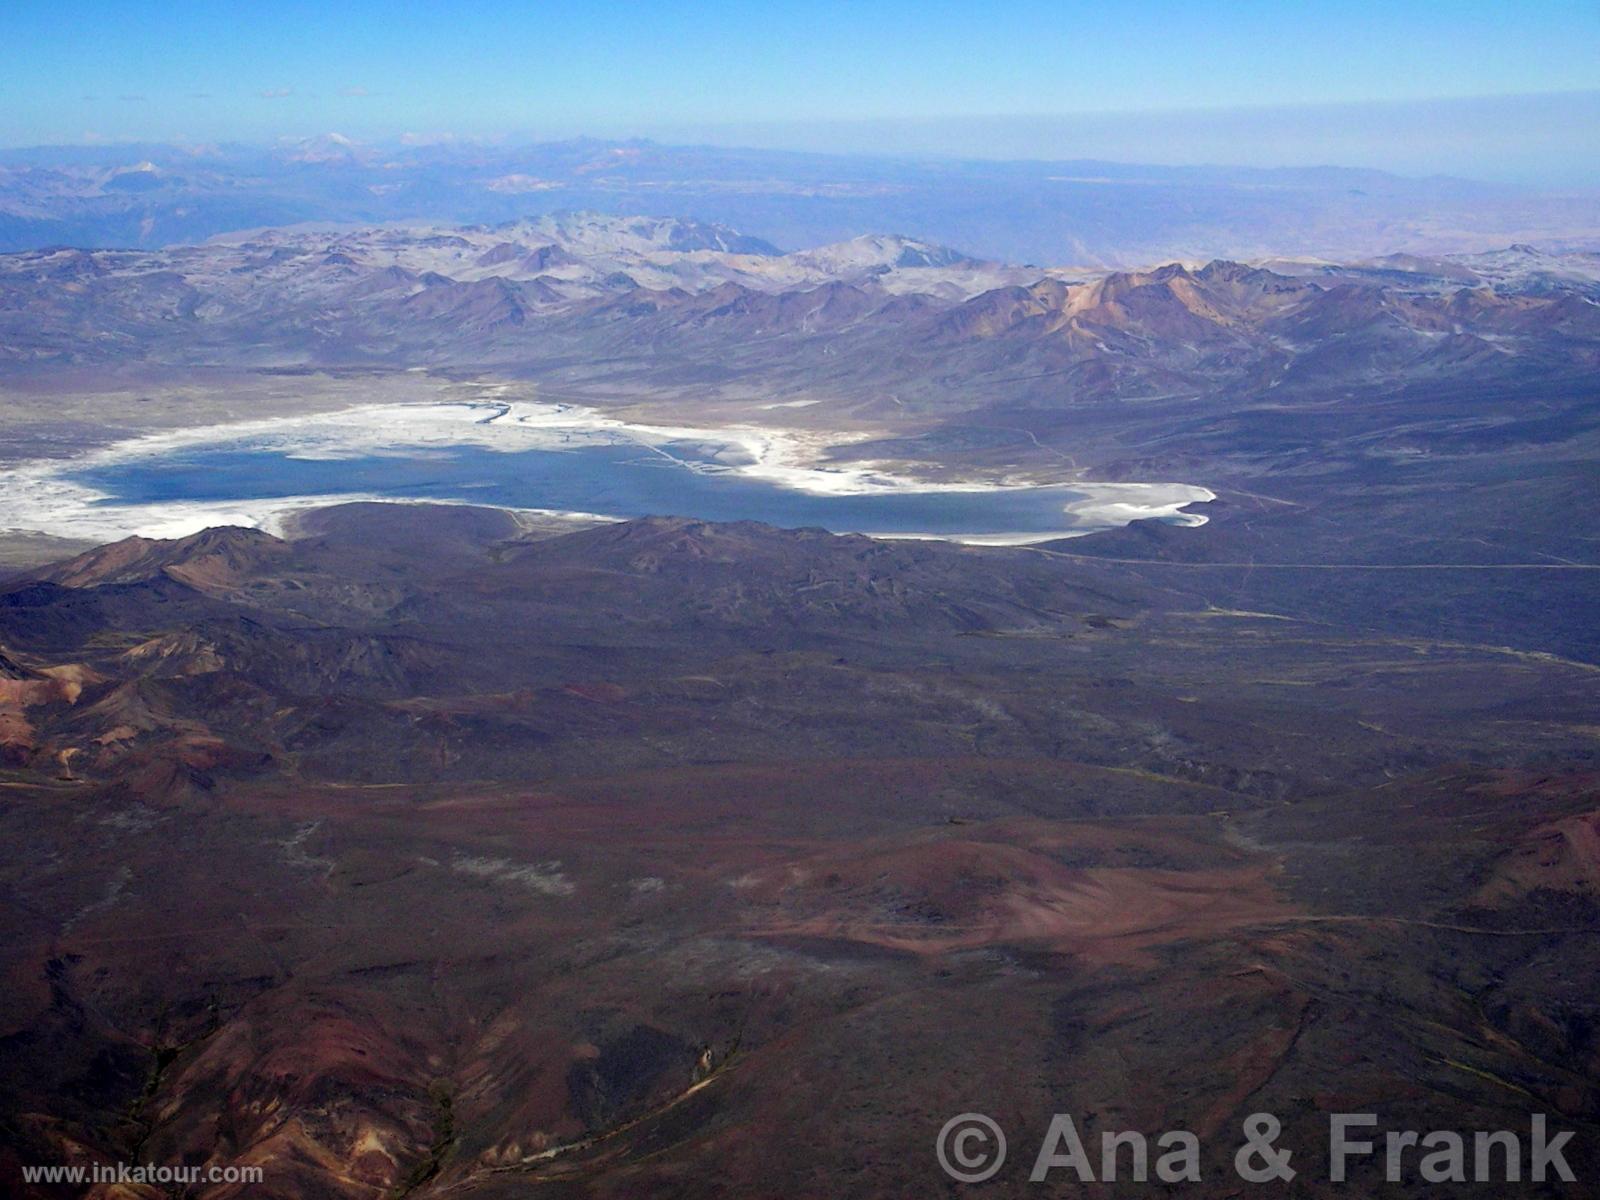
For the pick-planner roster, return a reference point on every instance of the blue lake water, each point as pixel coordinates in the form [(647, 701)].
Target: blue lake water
[(613, 480)]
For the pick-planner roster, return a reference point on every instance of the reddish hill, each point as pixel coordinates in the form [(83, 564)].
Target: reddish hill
[(213, 560)]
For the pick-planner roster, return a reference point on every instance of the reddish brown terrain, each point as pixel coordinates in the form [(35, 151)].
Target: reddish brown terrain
[(418, 856)]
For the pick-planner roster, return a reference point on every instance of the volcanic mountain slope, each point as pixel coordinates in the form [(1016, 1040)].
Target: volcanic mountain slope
[(418, 855)]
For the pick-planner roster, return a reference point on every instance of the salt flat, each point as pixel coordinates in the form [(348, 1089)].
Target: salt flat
[(67, 497)]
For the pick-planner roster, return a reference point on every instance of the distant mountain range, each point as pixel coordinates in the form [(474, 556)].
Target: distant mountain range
[(598, 298), (1087, 213)]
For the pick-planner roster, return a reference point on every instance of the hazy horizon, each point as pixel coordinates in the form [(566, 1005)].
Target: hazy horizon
[(1490, 93), (1378, 136)]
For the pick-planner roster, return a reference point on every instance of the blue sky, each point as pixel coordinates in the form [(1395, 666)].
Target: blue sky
[(204, 72)]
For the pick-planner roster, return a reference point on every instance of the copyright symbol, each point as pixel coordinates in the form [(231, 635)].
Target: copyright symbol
[(971, 1148)]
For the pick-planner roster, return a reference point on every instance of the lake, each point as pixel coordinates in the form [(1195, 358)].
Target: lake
[(615, 480)]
